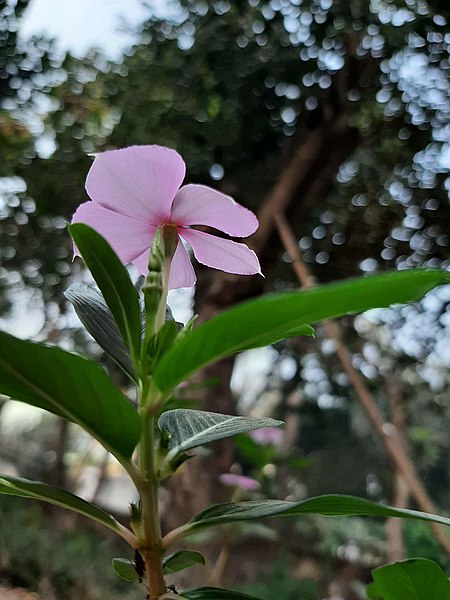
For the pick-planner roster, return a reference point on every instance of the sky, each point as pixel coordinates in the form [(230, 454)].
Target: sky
[(82, 24)]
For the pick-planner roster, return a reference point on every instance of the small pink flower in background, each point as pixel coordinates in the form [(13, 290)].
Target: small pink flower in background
[(267, 436), (133, 190), (240, 481)]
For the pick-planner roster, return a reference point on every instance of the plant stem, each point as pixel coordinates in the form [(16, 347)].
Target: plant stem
[(149, 401), (152, 550)]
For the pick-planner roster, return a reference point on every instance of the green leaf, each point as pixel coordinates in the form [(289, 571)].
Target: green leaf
[(183, 559), (125, 569), (99, 322), (413, 579), (211, 593), (189, 429), (272, 338), (114, 282), (332, 505), (40, 491), (256, 454), (69, 386), (274, 316), (162, 341)]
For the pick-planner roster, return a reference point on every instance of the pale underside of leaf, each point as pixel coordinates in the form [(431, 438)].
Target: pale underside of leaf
[(188, 429), (99, 322)]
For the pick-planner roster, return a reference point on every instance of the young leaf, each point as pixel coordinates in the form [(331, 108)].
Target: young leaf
[(331, 505), (416, 578), (40, 491), (274, 316), (99, 322), (211, 593), (69, 386), (125, 569), (189, 429), (114, 282), (183, 559)]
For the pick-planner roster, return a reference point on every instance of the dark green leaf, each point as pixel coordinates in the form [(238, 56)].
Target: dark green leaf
[(69, 386), (125, 569), (189, 429), (114, 282), (274, 316), (99, 322), (47, 493), (183, 559), (332, 505), (413, 579), (210, 593)]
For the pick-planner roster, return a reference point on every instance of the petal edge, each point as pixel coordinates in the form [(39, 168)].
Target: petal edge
[(221, 254), (201, 205)]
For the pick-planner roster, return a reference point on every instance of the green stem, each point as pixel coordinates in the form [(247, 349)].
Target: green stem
[(152, 548), (160, 316), (149, 401)]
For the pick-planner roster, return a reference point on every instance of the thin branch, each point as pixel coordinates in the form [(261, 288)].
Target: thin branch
[(385, 431), (395, 527)]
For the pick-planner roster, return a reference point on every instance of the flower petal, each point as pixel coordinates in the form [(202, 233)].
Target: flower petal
[(181, 272), (140, 181), (128, 237), (141, 262), (240, 481), (221, 254), (201, 205)]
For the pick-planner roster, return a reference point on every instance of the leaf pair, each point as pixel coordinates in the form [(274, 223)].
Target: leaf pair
[(172, 563), (251, 324)]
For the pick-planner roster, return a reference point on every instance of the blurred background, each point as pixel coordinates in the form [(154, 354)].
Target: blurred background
[(329, 119)]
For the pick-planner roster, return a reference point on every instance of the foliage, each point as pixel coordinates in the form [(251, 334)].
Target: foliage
[(281, 584), (413, 578), (38, 381), (51, 560), (238, 87)]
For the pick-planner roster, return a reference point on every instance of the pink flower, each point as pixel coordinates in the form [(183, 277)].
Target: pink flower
[(267, 436), (135, 189), (245, 483)]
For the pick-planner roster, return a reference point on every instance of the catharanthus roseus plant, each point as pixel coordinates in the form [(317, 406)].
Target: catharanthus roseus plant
[(139, 214)]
